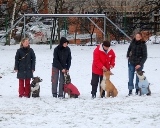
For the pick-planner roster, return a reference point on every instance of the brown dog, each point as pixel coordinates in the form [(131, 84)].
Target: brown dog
[(107, 85)]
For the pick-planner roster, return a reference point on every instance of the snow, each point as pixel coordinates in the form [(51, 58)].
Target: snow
[(84, 112), (154, 40)]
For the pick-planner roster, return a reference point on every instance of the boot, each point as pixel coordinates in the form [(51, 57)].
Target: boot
[(137, 90), (55, 95), (93, 96), (130, 93)]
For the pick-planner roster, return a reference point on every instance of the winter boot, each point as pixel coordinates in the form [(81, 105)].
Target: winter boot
[(93, 96), (130, 93), (54, 95), (137, 90)]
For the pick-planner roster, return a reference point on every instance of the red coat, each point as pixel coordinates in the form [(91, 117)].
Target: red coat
[(101, 58), (71, 87)]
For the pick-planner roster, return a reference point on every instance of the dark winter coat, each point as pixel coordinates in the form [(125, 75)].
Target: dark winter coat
[(25, 62), (62, 56), (137, 52)]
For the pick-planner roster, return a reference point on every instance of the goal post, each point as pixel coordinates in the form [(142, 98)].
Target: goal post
[(89, 16)]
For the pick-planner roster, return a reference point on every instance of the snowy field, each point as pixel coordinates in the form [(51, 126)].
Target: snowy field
[(84, 112)]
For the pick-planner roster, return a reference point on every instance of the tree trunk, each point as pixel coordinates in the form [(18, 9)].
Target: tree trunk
[(12, 20)]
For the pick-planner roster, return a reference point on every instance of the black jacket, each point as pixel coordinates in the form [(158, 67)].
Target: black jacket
[(25, 62), (62, 56), (137, 52)]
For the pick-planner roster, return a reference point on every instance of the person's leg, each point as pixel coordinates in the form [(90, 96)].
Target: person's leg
[(27, 88), (137, 81), (94, 83), (131, 70), (21, 87), (54, 80), (61, 84), (103, 93)]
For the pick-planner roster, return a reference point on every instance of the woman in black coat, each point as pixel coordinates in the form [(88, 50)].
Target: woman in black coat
[(137, 55), (61, 65), (24, 66)]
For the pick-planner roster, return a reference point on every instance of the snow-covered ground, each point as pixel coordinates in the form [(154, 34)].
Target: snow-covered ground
[(84, 112)]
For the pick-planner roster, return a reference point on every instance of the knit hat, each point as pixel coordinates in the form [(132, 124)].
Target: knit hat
[(63, 40), (106, 43)]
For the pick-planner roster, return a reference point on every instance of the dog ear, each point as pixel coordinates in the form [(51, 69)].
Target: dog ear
[(111, 73)]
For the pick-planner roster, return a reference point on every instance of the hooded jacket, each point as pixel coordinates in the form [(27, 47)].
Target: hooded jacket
[(102, 58), (62, 56)]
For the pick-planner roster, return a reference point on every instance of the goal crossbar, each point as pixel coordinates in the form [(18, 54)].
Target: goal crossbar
[(67, 15)]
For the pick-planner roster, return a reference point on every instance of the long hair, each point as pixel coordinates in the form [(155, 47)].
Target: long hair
[(144, 34), (23, 40)]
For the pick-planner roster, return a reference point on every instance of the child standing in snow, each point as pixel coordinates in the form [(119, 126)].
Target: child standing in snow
[(24, 66), (103, 60)]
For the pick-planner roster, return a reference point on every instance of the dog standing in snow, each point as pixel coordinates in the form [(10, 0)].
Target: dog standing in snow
[(143, 84), (35, 87)]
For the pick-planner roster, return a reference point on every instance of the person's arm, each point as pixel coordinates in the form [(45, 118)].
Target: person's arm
[(16, 65), (55, 58), (96, 59), (129, 50), (69, 60), (33, 60), (144, 54), (112, 63)]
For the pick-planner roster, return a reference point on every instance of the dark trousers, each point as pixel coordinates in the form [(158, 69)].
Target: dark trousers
[(95, 81), (57, 75)]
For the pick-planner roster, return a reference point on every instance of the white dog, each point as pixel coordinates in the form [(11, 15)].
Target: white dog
[(143, 84), (35, 87)]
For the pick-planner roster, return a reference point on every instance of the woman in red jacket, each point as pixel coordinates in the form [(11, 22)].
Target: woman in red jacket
[(103, 60)]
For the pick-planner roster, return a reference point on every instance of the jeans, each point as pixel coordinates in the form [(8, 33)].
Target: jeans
[(131, 73)]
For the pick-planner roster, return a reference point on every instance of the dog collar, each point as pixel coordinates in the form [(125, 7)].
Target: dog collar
[(33, 84)]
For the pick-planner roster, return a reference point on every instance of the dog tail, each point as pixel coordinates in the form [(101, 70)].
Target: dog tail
[(115, 92)]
